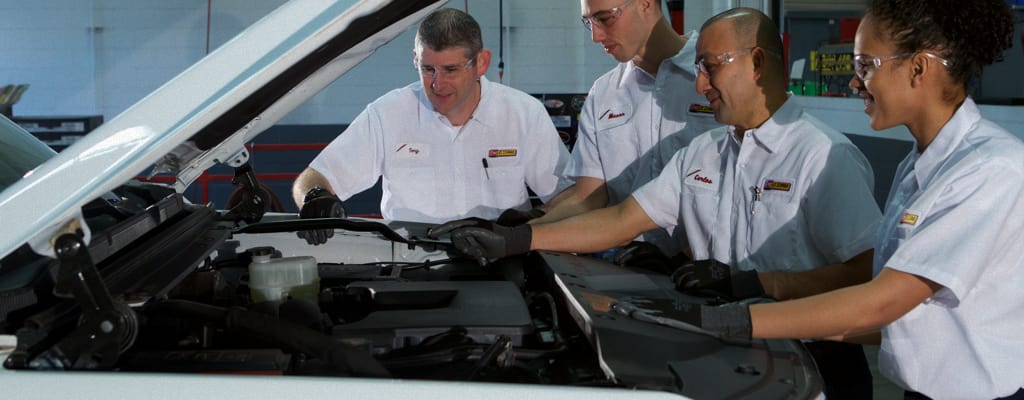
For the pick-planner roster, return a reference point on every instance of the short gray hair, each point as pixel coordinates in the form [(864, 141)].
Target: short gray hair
[(449, 28)]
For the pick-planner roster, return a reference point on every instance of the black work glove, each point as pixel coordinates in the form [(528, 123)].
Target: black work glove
[(513, 217), (644, 255), (730, 321), (322, 205), (714, 278), (485, 240)]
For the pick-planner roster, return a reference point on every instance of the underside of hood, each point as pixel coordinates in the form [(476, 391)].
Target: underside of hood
[(206, 114)]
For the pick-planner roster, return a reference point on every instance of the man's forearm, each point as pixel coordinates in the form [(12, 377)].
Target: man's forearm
[(308, 179), (594, 231), (564, 209), (795, 285), (586, 195)]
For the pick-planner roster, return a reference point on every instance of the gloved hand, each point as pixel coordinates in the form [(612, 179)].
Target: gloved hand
[(729, 321), (644, 255), (323, 204), (485, 240), (513, 217), (711, 277)]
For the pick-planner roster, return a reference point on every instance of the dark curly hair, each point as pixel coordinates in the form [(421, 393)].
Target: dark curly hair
[(970, 34)]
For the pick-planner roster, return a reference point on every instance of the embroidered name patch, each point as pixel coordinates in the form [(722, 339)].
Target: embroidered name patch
[(493, 153), (611, 115), (701, 109), (782, 186), (909, 219), (696, 177), (412, 150)]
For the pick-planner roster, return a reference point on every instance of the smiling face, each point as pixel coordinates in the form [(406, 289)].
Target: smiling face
[(450, 80), (730, 88), (617, 26), (884, 88)]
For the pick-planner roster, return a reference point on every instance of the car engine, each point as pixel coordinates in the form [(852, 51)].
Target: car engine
[(169, 287)]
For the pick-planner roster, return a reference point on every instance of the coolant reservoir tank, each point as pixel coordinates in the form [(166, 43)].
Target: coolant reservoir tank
[(277, 279)]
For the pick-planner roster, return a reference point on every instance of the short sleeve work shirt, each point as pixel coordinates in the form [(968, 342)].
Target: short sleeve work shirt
[(632, 123), (435, 172), (793, 195), (956, 218)]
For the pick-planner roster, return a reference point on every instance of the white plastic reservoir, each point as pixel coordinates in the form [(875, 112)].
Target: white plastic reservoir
[(277, 279)]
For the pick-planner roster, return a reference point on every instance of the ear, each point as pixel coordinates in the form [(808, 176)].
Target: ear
[(483, 62), (759, 59), (644, 5), (919, 67)]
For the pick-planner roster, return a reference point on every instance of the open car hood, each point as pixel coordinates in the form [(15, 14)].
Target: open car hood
[(206, 114)]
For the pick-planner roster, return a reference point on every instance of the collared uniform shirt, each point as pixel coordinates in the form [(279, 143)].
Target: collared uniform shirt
[(434, 172), (793, 195), (632, 123), (955, 216)]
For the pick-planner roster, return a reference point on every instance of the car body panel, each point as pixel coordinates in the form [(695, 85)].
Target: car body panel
[(25, 385), (268, 69)]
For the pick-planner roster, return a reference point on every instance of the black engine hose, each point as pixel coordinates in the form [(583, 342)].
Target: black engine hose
[(501, 345), (290, 336)]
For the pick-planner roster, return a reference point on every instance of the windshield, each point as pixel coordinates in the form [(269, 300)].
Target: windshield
[(20, 153)]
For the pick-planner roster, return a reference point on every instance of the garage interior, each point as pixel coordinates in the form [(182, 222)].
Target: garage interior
[(72, 64)]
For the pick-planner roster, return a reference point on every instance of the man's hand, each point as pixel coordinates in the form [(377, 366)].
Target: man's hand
[(644, 255), (320, 204), (485, 240), (710, 277), (513, 217), (730, 321)]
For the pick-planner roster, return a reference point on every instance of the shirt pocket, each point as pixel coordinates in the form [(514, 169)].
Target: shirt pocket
[(614, 127), (774, 222), (504, 187), (615, 115), (775, 205), (699, 214), (902, 233)]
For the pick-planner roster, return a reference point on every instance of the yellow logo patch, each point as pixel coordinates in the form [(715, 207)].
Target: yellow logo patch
[(502, 153), (781, 186), (701, 109), (909, 219)]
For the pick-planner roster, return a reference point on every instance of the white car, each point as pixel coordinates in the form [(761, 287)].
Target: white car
[(115, 288)]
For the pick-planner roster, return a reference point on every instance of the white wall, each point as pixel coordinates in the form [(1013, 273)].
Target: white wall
[(85, 57), (48, 44)]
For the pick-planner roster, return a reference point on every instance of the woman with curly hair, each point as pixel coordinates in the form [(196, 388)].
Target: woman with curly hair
[(948, 287), (949, 268), (947, 294)]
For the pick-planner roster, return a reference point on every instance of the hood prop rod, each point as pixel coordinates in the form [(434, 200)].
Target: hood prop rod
[(105, 330), (253, 199)]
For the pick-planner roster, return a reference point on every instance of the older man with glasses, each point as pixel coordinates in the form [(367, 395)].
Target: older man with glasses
[(774, 204), (636, 116), (453, 145)]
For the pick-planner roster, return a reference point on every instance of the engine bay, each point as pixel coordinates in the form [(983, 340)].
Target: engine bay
[(170, 287)]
